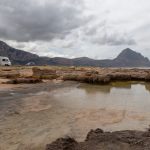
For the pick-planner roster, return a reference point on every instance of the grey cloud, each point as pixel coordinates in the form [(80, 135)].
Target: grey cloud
[(32, 20), (68, 44), (92, 30), (65, 25), (104, 34), (113, 39)]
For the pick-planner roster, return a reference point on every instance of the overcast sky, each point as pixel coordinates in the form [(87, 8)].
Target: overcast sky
[(73, 28)]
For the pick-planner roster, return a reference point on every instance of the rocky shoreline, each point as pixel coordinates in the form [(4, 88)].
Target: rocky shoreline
[(81, 74), (93, 75)]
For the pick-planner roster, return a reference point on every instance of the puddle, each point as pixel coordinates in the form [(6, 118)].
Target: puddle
[(129, 96), (73, 110)]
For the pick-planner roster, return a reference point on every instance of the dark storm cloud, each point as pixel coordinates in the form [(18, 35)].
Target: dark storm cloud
[(31, 20)]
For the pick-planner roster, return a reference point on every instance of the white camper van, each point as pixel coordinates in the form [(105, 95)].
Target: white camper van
[(4, 61)]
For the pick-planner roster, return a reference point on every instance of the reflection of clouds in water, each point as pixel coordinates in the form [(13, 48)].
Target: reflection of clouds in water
[(133, 97)]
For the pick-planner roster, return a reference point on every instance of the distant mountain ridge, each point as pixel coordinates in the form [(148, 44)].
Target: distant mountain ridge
[(127, 58)]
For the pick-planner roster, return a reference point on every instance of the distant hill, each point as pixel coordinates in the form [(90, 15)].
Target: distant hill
[(130, 58), (127, 58), (16, 56)]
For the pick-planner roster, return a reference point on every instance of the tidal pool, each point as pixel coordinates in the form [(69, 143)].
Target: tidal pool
[(118, 95), (34, 116)]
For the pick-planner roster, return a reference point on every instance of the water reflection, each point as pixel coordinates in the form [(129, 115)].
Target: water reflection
[(147, 86), (118, 106), (92, 89)]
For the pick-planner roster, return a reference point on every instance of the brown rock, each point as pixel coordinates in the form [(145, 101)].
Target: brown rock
[(62, 144), (23, 80), (100, 140)]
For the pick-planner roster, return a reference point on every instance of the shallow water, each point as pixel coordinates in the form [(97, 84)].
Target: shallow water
[(130, 96), (31, 117), (118, 106)]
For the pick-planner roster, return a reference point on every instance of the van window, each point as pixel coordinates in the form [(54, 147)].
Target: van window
[(4, 59)]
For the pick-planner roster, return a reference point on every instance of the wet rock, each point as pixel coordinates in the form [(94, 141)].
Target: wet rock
[(23, 80), (62, 144), (120, 76), (93, 133), (100, 140)]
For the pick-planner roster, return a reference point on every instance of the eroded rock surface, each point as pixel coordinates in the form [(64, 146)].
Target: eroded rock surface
[(94, 75), (9, 73), (100, 140), (23, 80)]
